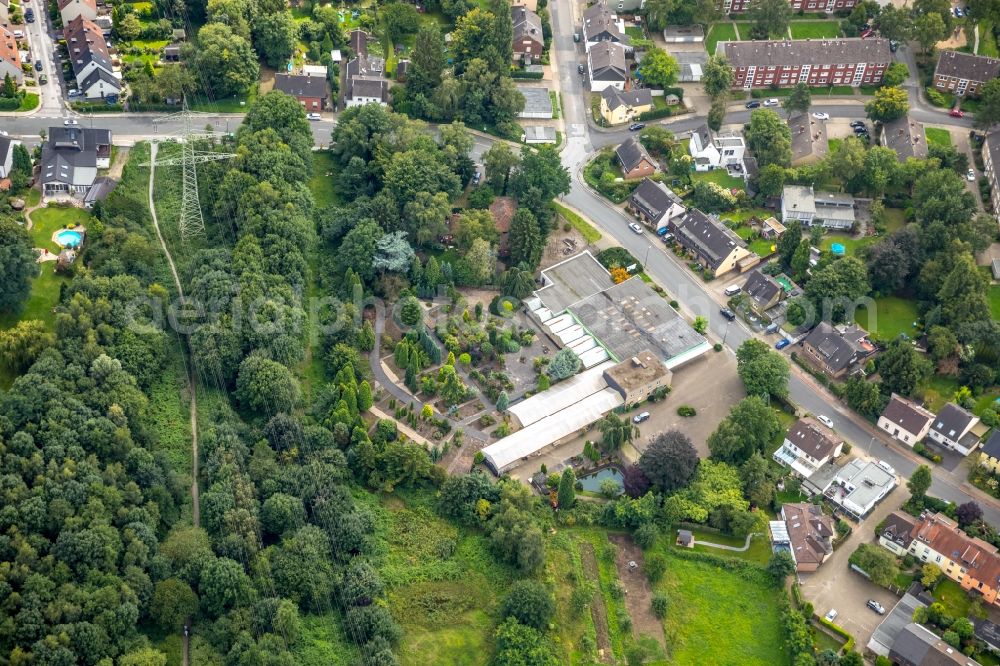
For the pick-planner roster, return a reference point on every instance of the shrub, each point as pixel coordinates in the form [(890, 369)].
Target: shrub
[(530, 603), (646, 534), (656, 566), (659, 605), (686, 410)]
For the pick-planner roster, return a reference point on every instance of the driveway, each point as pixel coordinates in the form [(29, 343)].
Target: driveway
[(837, 586)]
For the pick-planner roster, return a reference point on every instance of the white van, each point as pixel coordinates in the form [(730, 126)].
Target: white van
[(733, 289)]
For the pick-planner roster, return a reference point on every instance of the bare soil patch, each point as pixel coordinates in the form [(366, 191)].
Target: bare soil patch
[(597, 610), (638, 592), (563, 245)]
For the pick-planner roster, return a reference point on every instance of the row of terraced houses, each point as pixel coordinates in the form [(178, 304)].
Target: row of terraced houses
[(828, 6)]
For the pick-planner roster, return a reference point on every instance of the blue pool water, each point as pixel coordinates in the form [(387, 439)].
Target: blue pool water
[(69, 238), (837, 248), (592, 482)]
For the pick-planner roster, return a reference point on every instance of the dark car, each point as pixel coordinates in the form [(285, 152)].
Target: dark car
[(857, 123), (782, 343), (861, 130), (38, 65), (728, 314), (753, 104), (476, 177), (893, 45), (635, 127), (29, 16), (580, 68)]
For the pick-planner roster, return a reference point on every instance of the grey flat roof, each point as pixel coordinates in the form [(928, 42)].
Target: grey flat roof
[(630, 317), (536, 100), (573, 280), (893, 624)]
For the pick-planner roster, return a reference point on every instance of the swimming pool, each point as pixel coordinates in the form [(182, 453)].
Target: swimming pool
[(69, 238), (592, 482)]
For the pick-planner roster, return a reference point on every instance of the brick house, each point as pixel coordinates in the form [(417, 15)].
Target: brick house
[(713, 244), (964, 73), (634, 160), (10, 56), (816, 62), (828, 6), (528, 42), (835, 350), (991, 165), (311, 91)]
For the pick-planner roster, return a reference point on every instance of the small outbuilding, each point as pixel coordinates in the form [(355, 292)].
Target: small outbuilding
[(685, 539)]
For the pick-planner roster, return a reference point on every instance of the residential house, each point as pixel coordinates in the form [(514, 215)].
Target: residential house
[(830, 210), (807, 447), (635, 160), (601, 24), (905, 420), (905, 137), (654, 203), (618, 106), (809, 142), (607, 66), (711, 151), (963, 73), (991, 169), (763, 291), (810, 535), (897, 531), (988, 632), (835, 350), (6, 155), (4, 13), (71, 9), (916, 645), (529, 44), (952, 429), (824, 6), (10, 57), (816, 62), (89, 56), (70, 159), (364, 83), (970, 562), (859, 485), (714, 246), (989, 457), (311, 91)]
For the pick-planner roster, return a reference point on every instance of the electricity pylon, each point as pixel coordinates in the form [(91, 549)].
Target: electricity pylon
[(192, 222)]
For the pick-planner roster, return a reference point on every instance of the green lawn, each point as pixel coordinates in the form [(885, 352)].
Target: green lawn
[(893, 315), (938, 137), (851, 245), (938, 390), (322, 182), (720, 177), (987, 42), (994, 295), (591, 234), (759, 551), (815, 30), (29, 102), (718, 617), (635, 32), (895, 219), (954, 598), (832, 144), (720, 32)]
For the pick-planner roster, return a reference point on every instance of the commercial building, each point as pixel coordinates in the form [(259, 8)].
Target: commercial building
[(638, 377), (905, 420), (859, 485), (906, 137), (654, 203), (10, 57), (835, 350), (810, 535), (311, 91), (618, 106), (713, 245), (952, 429), (964, 74), (528, 42), (606, 62), (989, 457), (828, 209), (897, 532), (807, 447), (71, 157), (809, 141), (991, 168), (815, 62), (634, 160), (970, 562)]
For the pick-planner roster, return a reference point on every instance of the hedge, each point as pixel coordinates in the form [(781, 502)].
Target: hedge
[(10, 103), (521, 74), (97, 107), (849, 645), (656, 113), (748, 571)]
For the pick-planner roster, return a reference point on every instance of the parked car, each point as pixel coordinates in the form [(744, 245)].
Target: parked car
[(728, 314), (819, 115), (893, 45), (831, 616), (70, 122), (971, 175), (782, 343), (38, 65), (887, 467), (18, 34), (635, 127), (580, 69), (956, 113), (772, 102), (477, 178), (639, 418), (733, 289), (753, 104), (861, 130), (314, 116), (771, 328), (958, 12), (825, 420), (635, 227), (855, 124), (667, 238), (876, 606), (43, 79)]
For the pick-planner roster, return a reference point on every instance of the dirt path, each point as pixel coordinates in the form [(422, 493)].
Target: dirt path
[(597, 610), (121, 156), (638, 592)]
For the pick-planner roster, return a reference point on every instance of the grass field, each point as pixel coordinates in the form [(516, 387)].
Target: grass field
[(987, 42), (938, 137), (591, 234), (759, 551), (635, 32), (815, 29), (851, 245), (718, 617), (720, 177), (719, 32), (954, 598), (323, 178), (994, 296), (893, 315)]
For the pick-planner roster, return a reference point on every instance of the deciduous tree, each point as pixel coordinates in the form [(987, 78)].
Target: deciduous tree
[(770, 138), (669, 461), (658, 68), (889, 104), (17, 265)]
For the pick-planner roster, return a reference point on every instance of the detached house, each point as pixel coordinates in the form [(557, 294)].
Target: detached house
[(906, 137), (835, 350), (528, 42), (763, 291), (989, 457), (810, 535), (600, 24), (897, 532), (815, 62), (607, 66), (991, 166), (619, 106), (714, 246), (363, 77), (654, 203), (807, 447), (906, 421), (963, 73), (809, 142), (10, 57), (952, 429), (91, 61), (710, 151), (71, 9), (634, 160), (71, 157), (828, 209), (311, 91)]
